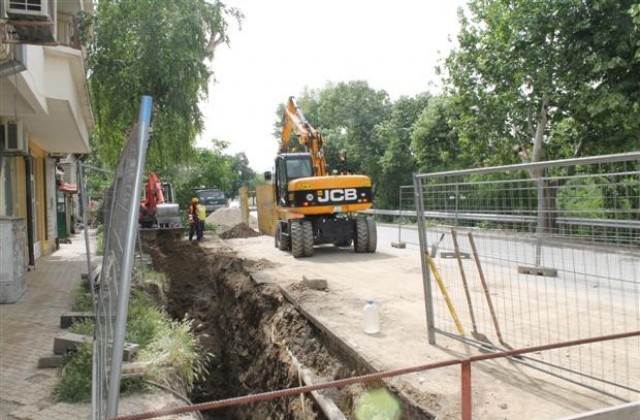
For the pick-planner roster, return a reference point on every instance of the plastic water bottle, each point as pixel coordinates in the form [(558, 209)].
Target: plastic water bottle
[(371, 317)]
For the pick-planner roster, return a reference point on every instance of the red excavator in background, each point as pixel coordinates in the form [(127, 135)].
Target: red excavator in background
[(158, 211)]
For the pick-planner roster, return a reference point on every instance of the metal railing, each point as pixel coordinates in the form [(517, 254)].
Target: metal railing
[(466, 401)]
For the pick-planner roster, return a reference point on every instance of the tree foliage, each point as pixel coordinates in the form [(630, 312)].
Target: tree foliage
[(206, 168), (434, 139), (560, 75), (156, 48), (397, 163)]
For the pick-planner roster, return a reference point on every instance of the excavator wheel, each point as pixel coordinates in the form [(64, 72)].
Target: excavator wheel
[(284, 241), (297, 240), (372, 235), (307, 238), (301, 238), (361, 239)]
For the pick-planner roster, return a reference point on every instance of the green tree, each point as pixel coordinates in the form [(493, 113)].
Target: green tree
[(240, 168), (560, 75), (349, 112), (157, 48), (206, 168), (434, 140), (397, 163)]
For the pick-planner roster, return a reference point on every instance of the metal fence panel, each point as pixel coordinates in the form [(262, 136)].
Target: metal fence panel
[(514, 260), (112, 297)]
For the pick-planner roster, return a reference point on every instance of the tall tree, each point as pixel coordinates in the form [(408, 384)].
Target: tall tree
[(351, 110), (434, 140), (207, 168), (397, 162), (243, 173), (157, 48), (557, 75)]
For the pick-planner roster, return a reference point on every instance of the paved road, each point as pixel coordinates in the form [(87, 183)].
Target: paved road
[(615, 268)]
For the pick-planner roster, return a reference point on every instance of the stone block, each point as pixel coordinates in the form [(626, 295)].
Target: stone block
[(67, 342), (67, 319), (50, 361), (538, 271)]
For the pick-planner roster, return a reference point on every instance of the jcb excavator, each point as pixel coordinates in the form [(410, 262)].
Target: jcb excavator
[(313, 206)]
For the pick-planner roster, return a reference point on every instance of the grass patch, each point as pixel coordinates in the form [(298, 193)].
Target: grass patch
[(74, 384), (161, 340), (178, 347), (210, 227), (82, 300), (100, 240)]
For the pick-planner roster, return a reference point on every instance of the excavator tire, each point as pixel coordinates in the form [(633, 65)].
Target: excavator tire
[(307, 238), (297, 240), (361, 239), (284, 241), (372, 235)]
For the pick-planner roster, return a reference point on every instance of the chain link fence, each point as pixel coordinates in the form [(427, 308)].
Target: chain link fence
[(532, 254)]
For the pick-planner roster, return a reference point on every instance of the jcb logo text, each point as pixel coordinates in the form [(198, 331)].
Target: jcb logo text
[(348, 194)]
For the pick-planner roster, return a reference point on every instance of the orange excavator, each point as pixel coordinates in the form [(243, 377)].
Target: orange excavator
[(314, 207), (157, 209)]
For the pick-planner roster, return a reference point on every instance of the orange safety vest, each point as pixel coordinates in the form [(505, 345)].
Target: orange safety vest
[(192, 212)]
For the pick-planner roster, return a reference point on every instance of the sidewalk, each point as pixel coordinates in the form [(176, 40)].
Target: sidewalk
[(27, 330)]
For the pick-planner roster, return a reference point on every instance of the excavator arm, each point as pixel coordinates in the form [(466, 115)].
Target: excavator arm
[(293, 120)]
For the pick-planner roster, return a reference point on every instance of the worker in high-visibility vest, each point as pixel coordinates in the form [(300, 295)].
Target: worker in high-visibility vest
[(196, 214)]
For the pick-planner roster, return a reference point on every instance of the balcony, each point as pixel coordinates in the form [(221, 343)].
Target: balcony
[(51, 96)]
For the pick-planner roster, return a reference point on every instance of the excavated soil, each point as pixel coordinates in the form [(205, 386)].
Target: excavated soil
[(253, 333), (249, 329), (240, 230)]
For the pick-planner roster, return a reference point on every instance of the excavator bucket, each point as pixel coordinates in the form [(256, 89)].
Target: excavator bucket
[(161, 237)]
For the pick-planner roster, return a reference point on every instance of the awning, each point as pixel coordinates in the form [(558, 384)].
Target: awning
[(68, 188)]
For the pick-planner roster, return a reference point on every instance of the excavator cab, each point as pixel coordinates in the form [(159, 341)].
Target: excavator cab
[(289, 167)]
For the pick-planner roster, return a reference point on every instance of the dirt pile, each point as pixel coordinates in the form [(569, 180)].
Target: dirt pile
[(240, 230), (228, 217)]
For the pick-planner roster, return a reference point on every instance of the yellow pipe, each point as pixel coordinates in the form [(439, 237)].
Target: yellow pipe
[(443, 289)]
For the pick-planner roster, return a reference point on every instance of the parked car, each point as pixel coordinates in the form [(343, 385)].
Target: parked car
[(212, 199)]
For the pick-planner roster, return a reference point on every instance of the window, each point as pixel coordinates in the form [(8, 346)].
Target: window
[(298, 168), (8, 187)]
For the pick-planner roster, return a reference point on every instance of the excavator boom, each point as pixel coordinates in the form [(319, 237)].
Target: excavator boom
[(294, 121)]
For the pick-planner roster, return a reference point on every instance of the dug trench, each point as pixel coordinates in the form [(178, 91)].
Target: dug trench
[(254, 334)]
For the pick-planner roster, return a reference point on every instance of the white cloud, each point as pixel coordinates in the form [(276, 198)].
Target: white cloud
[(287, 45)]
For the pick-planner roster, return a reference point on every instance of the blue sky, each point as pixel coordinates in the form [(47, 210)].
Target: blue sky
[(287, 45)]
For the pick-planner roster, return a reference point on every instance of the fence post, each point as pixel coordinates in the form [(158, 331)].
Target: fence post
[(424, 249), (540, 221), (465, 390), (399, 244), (244, 204)]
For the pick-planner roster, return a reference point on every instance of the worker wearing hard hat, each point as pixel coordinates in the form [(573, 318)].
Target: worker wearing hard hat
[(196, 215)]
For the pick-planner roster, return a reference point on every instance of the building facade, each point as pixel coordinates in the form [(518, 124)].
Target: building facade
[(45, 116)]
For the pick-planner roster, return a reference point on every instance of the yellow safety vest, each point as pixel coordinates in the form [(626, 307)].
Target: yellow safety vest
[(202, 212)]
